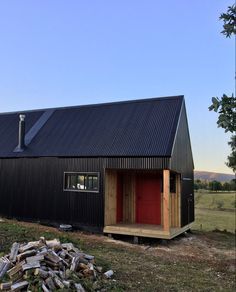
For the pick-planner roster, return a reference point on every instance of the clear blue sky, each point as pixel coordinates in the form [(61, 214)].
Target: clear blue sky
[(60, 53)]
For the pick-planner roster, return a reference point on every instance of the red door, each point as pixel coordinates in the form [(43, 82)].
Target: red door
[(148, 199)]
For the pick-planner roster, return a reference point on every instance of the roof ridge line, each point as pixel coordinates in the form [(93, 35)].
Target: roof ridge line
[(97, 104)]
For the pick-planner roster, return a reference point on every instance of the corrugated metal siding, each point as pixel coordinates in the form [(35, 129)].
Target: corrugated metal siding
[(137, 163), (182, 162), (32, 188), (136, 128)]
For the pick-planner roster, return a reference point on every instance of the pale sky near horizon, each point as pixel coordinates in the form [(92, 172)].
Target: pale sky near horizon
[(62, 53)]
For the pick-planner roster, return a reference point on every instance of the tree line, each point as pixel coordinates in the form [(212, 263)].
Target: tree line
[(215, 185)]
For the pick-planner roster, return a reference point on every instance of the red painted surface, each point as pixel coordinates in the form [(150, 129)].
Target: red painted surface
[(119, 199), (148, 199)]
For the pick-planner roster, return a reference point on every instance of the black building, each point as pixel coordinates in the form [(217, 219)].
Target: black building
[(122, 167)]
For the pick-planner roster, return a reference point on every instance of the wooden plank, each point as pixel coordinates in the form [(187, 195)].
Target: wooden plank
[(129, 209), (166, 200), (110, 196), (178, 191), (141, 231)]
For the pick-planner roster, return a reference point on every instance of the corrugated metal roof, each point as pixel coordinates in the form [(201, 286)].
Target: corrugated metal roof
[(132, 128)]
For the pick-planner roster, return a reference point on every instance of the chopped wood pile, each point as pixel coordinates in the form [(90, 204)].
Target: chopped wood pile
[(48, 265)]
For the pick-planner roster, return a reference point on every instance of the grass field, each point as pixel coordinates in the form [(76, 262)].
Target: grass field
[(215, 211), (201, 261)]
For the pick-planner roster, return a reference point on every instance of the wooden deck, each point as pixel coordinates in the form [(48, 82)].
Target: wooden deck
[(144, 230)]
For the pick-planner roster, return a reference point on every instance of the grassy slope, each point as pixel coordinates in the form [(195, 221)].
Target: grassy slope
[(182, 265)]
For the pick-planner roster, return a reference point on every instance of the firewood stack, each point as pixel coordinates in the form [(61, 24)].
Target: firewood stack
[(47, 265)]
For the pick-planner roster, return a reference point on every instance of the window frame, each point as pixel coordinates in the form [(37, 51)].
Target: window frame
[(85, 173)]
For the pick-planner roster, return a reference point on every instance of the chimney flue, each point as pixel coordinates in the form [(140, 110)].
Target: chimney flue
[(21, 144)]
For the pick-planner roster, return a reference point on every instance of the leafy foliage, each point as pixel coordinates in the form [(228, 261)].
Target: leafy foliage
[(229, 19), (226, 105), (232, 157)]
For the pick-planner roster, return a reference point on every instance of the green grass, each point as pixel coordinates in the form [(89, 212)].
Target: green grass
[(209, 220), (215, 211), (159, 268), (210, 200)]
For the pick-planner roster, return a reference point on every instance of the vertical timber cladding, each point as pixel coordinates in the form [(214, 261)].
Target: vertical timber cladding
[(166, 200), (175, 204), (119, 188), (129, 198), (37, 192), (110, 196)]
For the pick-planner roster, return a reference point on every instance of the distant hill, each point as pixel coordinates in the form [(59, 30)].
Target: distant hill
[(210, 176)]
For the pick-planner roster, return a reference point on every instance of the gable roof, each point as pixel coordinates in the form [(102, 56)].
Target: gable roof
[(136, 128)]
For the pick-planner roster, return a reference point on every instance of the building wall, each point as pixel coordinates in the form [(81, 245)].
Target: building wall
[(32, 188), (182, 162)]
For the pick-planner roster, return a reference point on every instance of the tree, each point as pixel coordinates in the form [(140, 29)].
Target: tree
[(215, 185), (229, 19), (226, 105), (232, 157)]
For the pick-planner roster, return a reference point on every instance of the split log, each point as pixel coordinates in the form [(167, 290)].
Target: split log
[(55, 243), (45, 289), (41, 273), (26, 254), (69, 246), (51, 262), (52, 257), (14, 251), (34, 259), (5, 286), (74, 264), (19, 286), (15, 269), (50, 284), (30, 266), (30, 245), (5, 268), (58, 283)]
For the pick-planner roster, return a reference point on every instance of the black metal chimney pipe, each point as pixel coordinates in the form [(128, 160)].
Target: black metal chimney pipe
[(21, 144)]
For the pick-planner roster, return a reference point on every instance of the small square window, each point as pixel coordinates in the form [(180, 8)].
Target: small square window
[(76, 181)]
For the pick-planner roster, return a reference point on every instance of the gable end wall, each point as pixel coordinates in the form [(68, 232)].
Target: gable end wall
[(182, 162)]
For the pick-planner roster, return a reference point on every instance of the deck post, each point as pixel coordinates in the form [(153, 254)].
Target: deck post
[(166, 200)]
